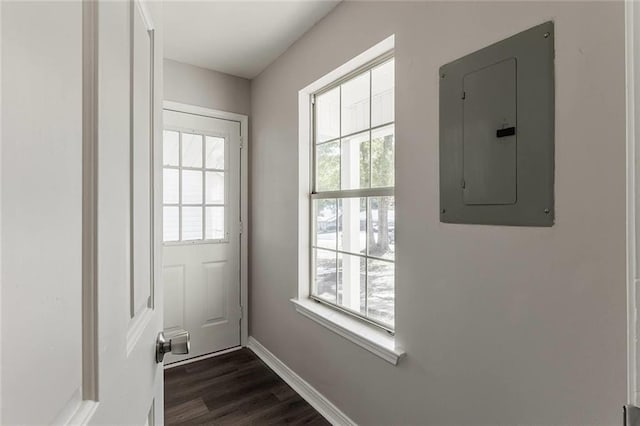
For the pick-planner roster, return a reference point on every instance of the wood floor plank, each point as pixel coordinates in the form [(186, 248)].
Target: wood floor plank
[(186, 411), (237, 389)]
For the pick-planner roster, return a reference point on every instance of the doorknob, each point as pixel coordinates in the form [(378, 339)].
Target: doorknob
[(178, 344)]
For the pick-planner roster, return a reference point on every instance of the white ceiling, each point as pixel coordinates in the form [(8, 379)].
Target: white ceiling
[(237, 37)]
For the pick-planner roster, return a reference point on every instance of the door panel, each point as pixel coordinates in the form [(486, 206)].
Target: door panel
[(216, 283), (209, 303), (141, 177), (174, 291), (41, 211)]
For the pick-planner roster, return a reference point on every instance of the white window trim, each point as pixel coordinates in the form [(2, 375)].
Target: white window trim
[(371, 338)]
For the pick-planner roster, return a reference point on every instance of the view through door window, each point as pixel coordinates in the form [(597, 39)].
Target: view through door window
[(194, 187)]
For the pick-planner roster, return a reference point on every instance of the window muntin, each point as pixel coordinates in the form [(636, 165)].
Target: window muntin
[(352, 200), (194, 187)]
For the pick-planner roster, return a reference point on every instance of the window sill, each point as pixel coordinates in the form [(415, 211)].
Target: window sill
[(368, 337)]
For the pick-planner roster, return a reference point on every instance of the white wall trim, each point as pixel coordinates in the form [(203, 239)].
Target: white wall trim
[(368, 337), (310, 394), (244, 198), (631, 98), (77, 411), (207, 112), (201, 357)]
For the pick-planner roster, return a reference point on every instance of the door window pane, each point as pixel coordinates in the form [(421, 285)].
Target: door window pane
[(325, 274), (170, 186), (328, 115), (197, 185), (355, 104), (191, 150), (382, 161), (170, 223), (215, 187), (191, 187), (326, 213), (355, 162), (382, 93), (191, 223), (328, 166), (214, 223), (215, 153), (170, 148)]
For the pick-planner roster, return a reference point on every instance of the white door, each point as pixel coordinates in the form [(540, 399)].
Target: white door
[(201, 207), (81, 141)]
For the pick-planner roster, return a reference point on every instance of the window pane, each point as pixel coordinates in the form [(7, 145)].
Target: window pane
[(170, 225), (215, 187), (328, 115), (381, 238), (170, 148), (191, 150), (192, 223), (326, 273), (355, 162), (355, 104), (382, 163), (380, 291), (214, 223), (382, 97), (170, 184), (352, 277), (325, 213), (215, 153), (352, 225), (191, 187), (328, 166)]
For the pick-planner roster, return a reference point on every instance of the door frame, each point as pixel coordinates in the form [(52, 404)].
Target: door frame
[(244, 198)]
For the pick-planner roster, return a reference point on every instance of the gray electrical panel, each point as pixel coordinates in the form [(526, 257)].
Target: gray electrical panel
[(497, 133)]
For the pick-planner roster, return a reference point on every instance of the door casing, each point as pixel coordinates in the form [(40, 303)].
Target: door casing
[(244, 210)]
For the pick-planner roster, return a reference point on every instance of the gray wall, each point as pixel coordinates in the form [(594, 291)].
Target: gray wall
[(202, 87), (501, 324)]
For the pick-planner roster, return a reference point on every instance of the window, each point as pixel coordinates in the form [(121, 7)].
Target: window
[(194, 187), (352, 199)]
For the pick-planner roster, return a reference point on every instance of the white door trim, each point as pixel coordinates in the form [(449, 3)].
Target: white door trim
[(244, 191), (631, 17), (1, 283)]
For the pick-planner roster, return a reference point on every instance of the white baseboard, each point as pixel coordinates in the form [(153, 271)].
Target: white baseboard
[(304, 389), (201, 357)]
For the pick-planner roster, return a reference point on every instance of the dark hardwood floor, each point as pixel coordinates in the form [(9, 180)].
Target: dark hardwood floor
[(233, 389)]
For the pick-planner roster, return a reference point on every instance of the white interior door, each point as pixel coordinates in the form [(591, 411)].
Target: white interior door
[(81, 243), (129, 237), (201, 207)]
